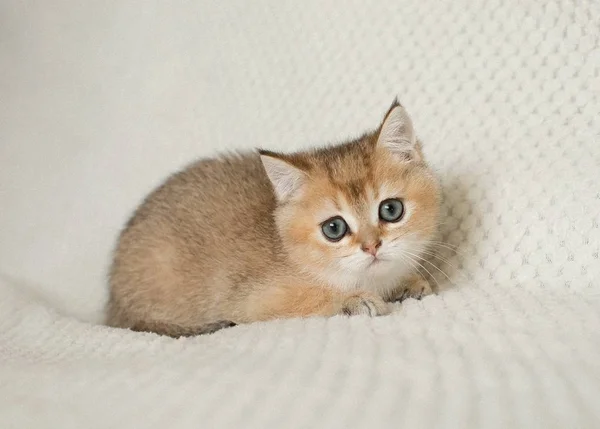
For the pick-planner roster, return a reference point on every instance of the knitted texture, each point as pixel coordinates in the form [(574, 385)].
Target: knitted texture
[(101, 100)]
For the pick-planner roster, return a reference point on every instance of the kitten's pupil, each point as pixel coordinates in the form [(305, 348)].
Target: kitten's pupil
[(391, 210), (334, 229)]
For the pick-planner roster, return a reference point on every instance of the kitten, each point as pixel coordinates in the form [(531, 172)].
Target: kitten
[(264, 235)]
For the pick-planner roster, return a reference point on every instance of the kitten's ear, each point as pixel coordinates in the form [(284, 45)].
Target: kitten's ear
[(285, 178), (398, 135)]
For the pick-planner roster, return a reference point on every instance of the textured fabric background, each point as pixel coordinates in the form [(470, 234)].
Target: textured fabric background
[(100, 100)]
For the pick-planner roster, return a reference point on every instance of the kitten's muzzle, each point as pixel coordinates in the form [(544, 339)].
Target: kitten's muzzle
[(371, 248)]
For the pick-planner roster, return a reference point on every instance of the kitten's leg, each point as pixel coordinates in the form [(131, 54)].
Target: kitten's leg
[(414, 286), (292, 301), (363, 303)]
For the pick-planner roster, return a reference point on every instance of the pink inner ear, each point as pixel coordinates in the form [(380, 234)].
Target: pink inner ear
[(285, 178), (397, 135)]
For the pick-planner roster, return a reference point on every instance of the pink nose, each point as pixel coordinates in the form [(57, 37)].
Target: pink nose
[(371, 247)]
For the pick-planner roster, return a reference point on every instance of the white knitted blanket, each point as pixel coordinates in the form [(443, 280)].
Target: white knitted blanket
[(100, 100)]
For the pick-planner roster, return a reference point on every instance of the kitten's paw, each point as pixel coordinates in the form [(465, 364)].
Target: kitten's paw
[(366, 304), (415, 288)]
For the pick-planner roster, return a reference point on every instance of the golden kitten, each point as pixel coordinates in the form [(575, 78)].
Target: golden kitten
[(264, 235)]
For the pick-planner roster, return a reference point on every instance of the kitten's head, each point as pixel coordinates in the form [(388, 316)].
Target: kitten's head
[(357, 214)]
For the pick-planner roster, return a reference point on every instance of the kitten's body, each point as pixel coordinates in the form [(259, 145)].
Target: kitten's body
[(237, 238)]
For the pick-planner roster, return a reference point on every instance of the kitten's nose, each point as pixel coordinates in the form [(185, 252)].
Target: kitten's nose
[(371, 247)]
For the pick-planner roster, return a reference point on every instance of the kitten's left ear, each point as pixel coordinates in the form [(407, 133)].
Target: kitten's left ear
[(285, 177), (398, 135)]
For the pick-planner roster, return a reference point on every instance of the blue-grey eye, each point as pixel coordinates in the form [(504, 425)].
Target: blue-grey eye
[(334, 229), (391, 210)]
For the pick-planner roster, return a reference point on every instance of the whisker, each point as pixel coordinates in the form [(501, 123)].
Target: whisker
[(433, 254), (440, 258), (446, 261), (421, 265), (434, 266), (415, 267), (448, 247), (425, 244)]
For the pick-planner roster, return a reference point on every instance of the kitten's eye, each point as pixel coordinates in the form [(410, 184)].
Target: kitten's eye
[(391, 210), (334, 229)]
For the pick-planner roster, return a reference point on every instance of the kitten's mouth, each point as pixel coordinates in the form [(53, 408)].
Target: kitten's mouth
[(374, 261)]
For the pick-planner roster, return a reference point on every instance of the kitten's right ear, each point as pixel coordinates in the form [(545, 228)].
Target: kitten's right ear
[(285, 178), (398, 135)]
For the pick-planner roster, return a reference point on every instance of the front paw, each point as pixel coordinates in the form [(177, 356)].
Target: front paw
[(369, 305), (416, 288)]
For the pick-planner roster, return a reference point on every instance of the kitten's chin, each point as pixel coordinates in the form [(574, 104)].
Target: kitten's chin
[(378, 275), (383, 267), (382, 262)]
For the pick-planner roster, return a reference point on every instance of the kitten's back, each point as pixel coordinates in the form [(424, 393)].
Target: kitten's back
[(193, 242)]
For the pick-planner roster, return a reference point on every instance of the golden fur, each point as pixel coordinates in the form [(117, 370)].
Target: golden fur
[(237, 239)]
